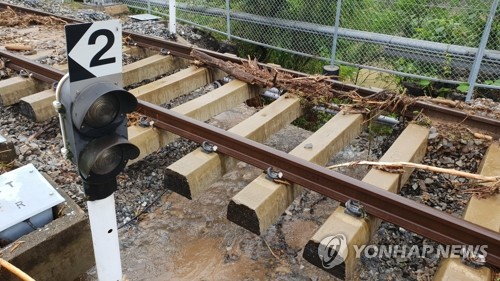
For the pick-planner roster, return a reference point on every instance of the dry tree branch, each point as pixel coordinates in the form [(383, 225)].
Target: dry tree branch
[(422, 167), (479, 191), (319, 90)]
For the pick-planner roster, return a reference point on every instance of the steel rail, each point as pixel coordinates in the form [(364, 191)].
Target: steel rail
[(420, 219), (37, 70), (489, 125), (390, 207), (436, 112)]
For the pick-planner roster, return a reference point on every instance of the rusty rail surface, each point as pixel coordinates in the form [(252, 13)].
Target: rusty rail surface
[(390, 207), (33, 68), (413, 216)]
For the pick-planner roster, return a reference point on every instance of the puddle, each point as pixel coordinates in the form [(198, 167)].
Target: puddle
[(204, 260)]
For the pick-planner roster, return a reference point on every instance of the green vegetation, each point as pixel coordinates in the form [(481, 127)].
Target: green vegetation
[(312, 120), (377, 129), (457, 22)]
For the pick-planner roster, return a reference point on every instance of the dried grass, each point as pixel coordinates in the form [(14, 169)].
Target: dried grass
[(10, 18)]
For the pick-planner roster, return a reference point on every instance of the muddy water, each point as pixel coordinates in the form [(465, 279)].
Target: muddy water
[(192, 240), (182, 239)]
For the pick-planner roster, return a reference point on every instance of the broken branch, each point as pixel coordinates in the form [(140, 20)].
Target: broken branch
[(18, 47), (229, 68), (318, 89), (396, 165)]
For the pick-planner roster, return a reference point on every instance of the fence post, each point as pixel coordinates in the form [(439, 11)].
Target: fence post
[(172, 20), (480, 51), (149, 7), (335, 33), (228, 19)]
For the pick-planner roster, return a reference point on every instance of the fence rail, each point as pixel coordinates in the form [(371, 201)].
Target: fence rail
[(450, 41)]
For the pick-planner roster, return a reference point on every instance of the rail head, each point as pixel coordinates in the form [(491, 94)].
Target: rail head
[(390, 207)]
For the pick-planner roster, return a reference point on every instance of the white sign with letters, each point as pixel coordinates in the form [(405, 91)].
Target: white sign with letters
[(24, 193)]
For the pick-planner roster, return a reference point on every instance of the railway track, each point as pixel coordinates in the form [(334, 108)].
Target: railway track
[(262, 202)]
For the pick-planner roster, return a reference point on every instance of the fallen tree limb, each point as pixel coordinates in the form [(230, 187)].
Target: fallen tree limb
[(18, 47), (479, 191), (229, 68), (319, 89), (313, 90), (398, 165)]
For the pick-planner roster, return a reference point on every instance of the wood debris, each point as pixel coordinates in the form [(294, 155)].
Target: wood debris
[(15, 245), (319, 90), (313, 90), (9, 17), (18, 47), (480, 191), (479, 135)]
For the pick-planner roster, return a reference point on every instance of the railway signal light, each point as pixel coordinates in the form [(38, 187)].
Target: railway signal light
[(95, 128), (93, 106), (93, 109)]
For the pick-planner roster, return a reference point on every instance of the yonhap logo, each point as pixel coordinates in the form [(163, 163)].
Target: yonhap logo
[(332, 250)]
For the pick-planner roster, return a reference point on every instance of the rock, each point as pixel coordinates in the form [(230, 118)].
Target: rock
[(23, 149), (443, 206), (446, 160), (433, 136), (7, 151), (308, 146)]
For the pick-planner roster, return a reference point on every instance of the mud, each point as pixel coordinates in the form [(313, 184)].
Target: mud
[(192, 240)]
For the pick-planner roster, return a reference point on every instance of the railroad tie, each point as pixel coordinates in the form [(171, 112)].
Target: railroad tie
[(173, 86), (484, 212), (139, 52), (195, 172), (151, 67), (38, 107), (15, 88), (261, 202), (202, 108), (409, 146)]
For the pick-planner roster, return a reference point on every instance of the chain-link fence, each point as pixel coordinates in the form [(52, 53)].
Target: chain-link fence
[(430, 40)]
